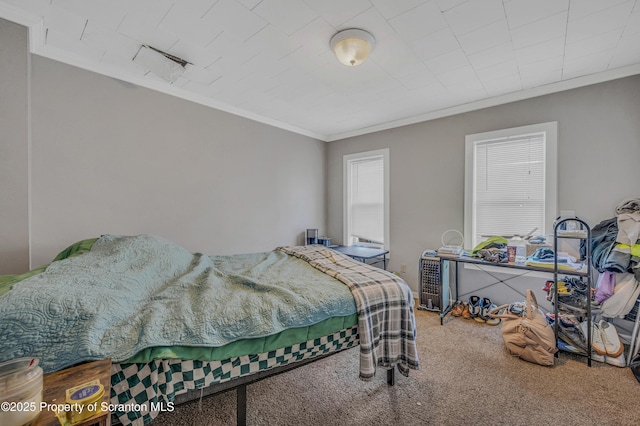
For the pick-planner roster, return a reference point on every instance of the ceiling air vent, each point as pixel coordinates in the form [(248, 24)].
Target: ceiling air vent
[(164, 65)]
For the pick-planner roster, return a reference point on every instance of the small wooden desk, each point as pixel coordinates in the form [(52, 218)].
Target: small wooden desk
[(364, 253), (56, 385)]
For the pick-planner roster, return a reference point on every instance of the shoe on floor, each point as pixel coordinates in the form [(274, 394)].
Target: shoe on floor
[(465, 312), (597, 342), (489, 319), (480, 309), (618, 361), (457, 309), (612, 343), (475, 307), (598, 357)]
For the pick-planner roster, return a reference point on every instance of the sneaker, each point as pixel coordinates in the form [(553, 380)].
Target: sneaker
[(481, 308), (489, 319), (597, 342), (612, 343), (475, 307), (618, 361), (465, 312)]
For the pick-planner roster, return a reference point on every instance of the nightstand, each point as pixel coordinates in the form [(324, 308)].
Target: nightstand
[(56, 385)]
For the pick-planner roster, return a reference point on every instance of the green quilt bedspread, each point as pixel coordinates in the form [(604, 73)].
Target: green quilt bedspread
[(139, 298)]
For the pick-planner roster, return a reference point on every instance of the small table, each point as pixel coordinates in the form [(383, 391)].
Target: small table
[(56, 385), (364, 253)]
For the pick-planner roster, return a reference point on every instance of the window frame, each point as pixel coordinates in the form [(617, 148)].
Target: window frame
[(346, 179), (551, 172)]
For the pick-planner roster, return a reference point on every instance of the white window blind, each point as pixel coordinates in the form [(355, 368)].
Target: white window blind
[(509, 185), (511, 180), (366, 199)]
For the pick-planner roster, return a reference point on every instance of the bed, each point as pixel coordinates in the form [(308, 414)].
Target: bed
[(175, 322)]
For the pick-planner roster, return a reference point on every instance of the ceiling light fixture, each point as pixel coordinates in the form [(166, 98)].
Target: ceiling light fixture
[(352, 46)]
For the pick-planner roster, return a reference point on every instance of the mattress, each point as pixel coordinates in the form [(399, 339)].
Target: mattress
[(141, 391)]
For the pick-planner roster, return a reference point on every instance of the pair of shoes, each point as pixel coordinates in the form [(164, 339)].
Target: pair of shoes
[(479, 309), (618, 361), (604, 339)]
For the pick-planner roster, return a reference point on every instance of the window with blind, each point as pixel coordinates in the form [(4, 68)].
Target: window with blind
[(366, 198), (510, 182)]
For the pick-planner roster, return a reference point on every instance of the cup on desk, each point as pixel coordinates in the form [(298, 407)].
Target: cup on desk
[(511, 255)]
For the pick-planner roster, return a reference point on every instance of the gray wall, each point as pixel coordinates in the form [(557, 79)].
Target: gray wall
[(14, 177), (598, 156), (111, 157)]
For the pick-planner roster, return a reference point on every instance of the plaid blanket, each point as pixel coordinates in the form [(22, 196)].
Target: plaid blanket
[(386, 322)]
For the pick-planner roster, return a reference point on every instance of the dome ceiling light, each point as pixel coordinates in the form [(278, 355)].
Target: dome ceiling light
[(352, 46)]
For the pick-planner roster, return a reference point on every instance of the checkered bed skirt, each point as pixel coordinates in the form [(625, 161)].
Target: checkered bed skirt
[(139, 392)]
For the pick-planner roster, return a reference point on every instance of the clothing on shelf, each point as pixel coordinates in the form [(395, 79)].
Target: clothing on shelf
[(626, 292)]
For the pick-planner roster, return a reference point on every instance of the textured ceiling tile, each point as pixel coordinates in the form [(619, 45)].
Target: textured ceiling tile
[(73, 46), (592, 45), (435, 44), (492, 56), (523, 12), (315, 37), (200, 75), (626, 53), (448, 4), (234, 19), (582, 8), (419, 22), (505, 84), (288, 15), (98, 38), (391, 8), (548, 49), (586, 65), (336, 12), (273, 42), (402, 61), (102, 13), (599, 22), (448, 62), (149, 11), (475, 14), (188, 25), (540, 31), (65, 22), (489, 36), (498, 71), (146, 34)]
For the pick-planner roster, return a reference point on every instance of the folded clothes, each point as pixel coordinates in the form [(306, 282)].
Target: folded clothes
[(566, 266)]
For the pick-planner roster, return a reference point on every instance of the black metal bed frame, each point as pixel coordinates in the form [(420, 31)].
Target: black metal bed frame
[(240, 385)]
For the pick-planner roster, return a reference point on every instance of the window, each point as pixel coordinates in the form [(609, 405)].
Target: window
[(366, 199), (510, 182)]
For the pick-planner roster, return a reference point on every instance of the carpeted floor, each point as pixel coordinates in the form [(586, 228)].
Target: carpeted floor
[(466, 378)]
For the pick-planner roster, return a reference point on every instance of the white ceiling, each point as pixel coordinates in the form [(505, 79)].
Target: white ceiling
[(270, 60)]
